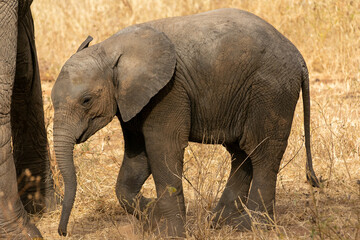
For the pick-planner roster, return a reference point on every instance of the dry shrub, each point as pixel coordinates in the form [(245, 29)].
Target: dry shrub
[(328, 35)]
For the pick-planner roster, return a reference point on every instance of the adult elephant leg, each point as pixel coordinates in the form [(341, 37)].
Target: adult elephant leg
[(28, 127), (14, 222), (237, 187), (134, 171)]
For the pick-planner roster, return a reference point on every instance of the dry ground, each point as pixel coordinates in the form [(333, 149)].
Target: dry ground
[(328, 35)]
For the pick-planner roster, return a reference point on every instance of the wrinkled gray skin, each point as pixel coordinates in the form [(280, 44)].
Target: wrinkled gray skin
[(22, 118), (225, 76)]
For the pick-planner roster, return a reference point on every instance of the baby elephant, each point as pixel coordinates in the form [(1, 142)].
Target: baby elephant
[(224, 75)]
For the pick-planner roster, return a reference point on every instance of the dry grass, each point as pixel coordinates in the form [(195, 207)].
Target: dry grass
[(328, 35)]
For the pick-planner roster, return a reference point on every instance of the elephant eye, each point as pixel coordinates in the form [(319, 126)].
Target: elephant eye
[(86, 100)]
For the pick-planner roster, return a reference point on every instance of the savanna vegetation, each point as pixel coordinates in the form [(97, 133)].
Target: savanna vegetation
[(327, 32)]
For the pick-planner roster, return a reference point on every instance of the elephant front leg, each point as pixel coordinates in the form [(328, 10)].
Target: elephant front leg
[(168, 215), (166, 132), (165, 145), (14, 222), (28, 128), (133, 173)]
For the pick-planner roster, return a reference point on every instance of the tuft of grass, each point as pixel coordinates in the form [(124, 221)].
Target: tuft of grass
[(328, 35)]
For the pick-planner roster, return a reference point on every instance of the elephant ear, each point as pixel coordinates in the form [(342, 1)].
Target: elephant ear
[(146, 64), (85, 44)]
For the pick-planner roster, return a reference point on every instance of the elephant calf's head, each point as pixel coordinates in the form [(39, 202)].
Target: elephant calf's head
[(83, 96)]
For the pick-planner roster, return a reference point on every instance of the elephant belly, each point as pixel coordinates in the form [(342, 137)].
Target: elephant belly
[(213, 137), (218, 124)]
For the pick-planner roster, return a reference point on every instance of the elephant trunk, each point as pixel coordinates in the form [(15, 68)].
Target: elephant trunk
[(64, 142)]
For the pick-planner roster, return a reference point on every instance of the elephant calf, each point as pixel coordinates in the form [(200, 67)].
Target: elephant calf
[(225, 75)]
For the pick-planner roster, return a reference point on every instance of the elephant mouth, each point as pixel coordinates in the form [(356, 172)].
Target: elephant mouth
[(92, 127), (82, 138), (85, 134)]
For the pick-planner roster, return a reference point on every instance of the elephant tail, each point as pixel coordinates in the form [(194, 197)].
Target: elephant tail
[(310, 174)]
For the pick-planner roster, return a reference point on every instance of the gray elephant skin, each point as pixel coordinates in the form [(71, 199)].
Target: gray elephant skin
[(22, 124), (223, 76)]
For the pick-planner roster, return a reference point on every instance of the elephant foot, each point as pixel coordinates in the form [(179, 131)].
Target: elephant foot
[(254, 219), (242, 220), (223, 214), (164, 222), (15, 231), (241, 223), (32, 232), (164, 230)]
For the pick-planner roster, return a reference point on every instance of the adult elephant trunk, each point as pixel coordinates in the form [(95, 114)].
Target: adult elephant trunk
[(64, 141)]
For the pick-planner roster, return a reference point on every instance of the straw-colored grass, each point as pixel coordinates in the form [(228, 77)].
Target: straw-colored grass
[(327, 32)]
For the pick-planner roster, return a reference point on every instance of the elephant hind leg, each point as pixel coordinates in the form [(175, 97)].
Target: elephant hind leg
[(261, 199), (237, 187)]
